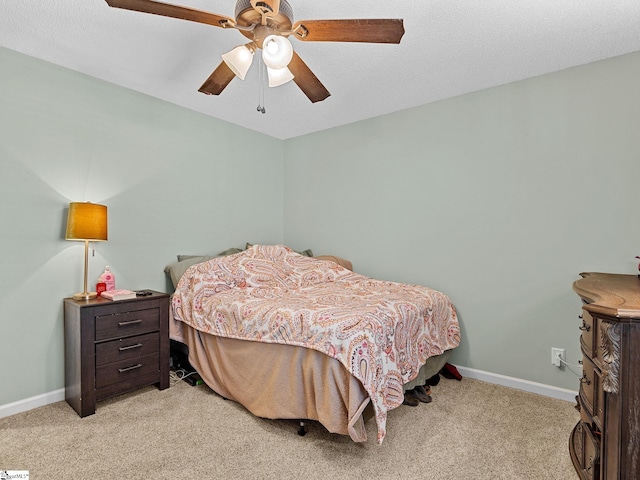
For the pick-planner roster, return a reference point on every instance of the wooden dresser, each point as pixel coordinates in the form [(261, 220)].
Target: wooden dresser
[(112, 347), (605, 444)]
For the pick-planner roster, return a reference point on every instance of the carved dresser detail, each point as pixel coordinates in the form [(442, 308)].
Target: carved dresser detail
[(605, 444)]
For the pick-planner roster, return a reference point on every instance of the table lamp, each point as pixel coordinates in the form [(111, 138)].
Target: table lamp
[(86, 222)]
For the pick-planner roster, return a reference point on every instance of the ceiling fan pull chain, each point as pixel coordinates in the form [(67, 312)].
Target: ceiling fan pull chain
[(259, 78), (261, 108)]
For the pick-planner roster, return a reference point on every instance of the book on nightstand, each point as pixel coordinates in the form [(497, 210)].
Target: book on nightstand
[(118, 294)]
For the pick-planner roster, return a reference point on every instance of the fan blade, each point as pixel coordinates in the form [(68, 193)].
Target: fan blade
[(174, 11), (306, 80), (364, 30), (218, 80)]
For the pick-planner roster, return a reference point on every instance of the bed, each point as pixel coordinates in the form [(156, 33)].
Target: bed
[(291, 336)]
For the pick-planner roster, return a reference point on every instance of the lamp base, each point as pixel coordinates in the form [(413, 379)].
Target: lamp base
[(85, 296)]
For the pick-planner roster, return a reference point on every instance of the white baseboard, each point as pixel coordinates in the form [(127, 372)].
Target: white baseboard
[(519, 384), (31, 403), (512, 382)]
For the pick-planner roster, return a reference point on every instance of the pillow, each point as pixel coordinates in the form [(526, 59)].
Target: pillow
[(228, 251), (177, 269), (339, 260), (306, 253), (187, 257)]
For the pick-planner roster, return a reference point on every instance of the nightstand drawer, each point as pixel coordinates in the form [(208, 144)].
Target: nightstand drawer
[(125, 348), (126, 369), (125, 324)]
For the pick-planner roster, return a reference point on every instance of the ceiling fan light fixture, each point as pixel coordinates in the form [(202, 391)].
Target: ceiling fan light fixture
[(268, 24), (277, 51), (279, 76), (239, 60)]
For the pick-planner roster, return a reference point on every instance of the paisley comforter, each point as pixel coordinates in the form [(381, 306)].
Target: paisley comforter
[(382, 332)]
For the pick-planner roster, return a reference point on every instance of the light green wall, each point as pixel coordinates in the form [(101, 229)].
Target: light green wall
[(498, 198), (175, 182)]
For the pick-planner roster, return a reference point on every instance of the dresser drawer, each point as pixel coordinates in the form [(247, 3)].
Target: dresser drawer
[(125, 324), (586, 415), (126, 348), (127, 369), (591, 459), (586, 338), (591, 392), (585, 452), (588, 385)]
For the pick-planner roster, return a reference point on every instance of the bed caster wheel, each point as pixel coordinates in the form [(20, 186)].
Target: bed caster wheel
[(302, 430)]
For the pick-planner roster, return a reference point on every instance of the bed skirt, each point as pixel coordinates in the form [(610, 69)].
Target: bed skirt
[(283, 381)]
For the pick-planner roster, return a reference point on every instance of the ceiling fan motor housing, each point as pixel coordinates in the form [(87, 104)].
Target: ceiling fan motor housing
[(247, 15)]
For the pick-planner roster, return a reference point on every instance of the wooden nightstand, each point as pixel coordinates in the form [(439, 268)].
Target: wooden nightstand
[(112, 347)]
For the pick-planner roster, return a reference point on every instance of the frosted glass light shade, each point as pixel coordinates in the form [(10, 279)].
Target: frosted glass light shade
[(87, 221), (279, 76), (239, 60), (277, 51)]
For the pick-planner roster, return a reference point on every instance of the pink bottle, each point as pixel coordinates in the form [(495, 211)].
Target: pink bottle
[(108, 278)]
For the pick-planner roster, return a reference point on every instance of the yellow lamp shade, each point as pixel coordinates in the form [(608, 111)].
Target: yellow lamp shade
[(87, 221)]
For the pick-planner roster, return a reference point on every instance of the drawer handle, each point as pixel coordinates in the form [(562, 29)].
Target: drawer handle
[(130, 322), (132, 367), (585, 327), (129, 347), (584, 379)]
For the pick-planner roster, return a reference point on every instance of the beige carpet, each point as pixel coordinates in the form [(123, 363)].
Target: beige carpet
[(471, 430)]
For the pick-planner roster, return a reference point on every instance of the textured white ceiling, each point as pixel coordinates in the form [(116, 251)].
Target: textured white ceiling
[(450, 47)]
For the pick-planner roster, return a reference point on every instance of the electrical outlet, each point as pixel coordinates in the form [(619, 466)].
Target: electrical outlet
[(557, 354)]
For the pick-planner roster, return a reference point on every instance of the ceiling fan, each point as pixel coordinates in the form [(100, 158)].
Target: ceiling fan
[(268, 24)]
